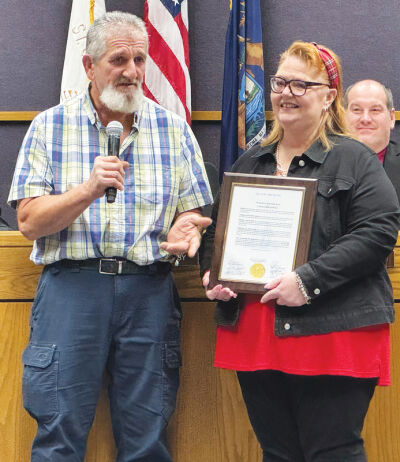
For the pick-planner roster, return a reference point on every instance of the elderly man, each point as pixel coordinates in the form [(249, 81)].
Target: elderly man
[(370, 116), (106, 298)]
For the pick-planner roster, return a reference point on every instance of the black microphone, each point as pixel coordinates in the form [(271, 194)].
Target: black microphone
[(114, 131)]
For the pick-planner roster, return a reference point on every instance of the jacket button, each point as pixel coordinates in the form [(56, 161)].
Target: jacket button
[(287, 326), (317, 291), (302, 163)]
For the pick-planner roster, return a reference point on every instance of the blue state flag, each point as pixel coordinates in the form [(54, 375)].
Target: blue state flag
[(243, 104)]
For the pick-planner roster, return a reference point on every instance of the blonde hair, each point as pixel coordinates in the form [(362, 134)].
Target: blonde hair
[(333, 120)]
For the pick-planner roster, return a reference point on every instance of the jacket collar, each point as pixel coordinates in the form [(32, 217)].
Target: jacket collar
[(392, 149), (315, 152)]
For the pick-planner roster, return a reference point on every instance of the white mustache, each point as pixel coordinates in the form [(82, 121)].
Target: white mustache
[(127, 82)]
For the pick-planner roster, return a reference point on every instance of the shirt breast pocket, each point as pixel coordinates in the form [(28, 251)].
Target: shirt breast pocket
[(330, 212), (156, 186)]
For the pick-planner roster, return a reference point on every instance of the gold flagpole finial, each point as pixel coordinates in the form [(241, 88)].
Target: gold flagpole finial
[(91, 11)]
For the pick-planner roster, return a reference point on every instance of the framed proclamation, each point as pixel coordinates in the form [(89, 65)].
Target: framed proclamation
[(263, 229)]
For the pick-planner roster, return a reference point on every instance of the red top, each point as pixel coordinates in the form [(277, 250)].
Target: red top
[(381, 155), (252, 345)]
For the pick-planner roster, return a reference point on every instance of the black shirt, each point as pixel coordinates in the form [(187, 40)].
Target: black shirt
[(355, 227)]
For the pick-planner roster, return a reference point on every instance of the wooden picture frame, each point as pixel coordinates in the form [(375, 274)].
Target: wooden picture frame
[(263, 229)]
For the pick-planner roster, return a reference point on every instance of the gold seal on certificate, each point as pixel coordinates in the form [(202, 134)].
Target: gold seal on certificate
[(263, 229), (257, 270)]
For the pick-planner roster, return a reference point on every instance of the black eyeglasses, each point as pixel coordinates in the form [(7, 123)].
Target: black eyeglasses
[(297, 87)]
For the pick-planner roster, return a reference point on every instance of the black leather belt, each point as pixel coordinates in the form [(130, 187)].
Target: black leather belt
[(115, 266)]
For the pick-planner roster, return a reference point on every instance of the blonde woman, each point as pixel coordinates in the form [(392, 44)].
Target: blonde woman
[(310, 351)]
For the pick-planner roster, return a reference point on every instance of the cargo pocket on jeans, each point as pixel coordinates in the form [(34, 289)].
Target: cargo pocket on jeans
[(171, 363), (39, 382)]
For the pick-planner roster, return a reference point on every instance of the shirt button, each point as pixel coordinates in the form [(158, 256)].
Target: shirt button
[(329, 190), (302, 163), (287, 326), (317, 291)]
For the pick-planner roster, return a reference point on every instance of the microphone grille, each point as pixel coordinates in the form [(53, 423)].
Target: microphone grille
[(114, 128)]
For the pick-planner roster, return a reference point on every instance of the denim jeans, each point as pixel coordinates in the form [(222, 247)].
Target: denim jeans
[(307, 418), (83, 323)]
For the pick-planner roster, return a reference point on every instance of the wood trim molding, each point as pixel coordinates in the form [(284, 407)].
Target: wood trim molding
[(206, 116), (14, 239), (17, 116), (198, 116)]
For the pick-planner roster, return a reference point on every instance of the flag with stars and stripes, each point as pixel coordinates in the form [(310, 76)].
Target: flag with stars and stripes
[(167, 79), (74, 79), (243, 105)]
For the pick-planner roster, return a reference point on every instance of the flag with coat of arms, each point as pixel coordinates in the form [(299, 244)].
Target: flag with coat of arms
[(243, 104), (74, 79)]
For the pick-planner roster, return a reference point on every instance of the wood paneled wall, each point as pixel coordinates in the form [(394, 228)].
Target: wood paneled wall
[(210, 423)]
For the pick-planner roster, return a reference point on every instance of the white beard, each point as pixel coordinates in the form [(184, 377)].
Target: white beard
[(119, 102)]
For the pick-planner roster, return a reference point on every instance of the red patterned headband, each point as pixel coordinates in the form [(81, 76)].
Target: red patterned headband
[(330, 65)]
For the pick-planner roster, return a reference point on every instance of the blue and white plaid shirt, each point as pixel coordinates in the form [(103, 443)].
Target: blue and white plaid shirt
[(166, 175)]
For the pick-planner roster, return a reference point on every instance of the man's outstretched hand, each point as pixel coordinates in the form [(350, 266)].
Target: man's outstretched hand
[(185, 234)]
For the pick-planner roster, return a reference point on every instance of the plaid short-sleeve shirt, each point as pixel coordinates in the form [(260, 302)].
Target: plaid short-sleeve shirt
[(166, 175)]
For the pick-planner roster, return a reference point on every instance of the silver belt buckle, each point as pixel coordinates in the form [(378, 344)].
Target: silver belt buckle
[(114, 260)]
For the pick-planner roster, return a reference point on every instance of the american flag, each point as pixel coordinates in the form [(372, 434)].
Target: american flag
[(167, 79)]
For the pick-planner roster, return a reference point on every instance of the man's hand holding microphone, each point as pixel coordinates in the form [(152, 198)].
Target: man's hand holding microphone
[(108, 172)]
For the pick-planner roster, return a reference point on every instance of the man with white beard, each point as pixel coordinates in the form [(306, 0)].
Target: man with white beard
[(106, 298)]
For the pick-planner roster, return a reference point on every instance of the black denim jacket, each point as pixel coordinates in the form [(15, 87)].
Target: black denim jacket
[(355, 227)]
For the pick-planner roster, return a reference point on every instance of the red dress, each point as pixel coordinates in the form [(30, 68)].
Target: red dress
[(252, 345)]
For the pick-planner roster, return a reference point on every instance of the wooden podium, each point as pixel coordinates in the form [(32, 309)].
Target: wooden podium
[(210, 423)]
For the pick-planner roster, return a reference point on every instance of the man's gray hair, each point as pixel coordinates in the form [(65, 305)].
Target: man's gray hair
[(104, 27), (387, 91)]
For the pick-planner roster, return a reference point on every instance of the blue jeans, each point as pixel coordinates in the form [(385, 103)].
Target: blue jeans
[(82, 323)]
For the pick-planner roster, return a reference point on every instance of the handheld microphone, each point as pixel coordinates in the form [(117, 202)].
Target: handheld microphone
[(114, 131)]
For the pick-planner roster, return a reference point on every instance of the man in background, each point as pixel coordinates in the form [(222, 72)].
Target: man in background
[(106, 298), (371, 117)]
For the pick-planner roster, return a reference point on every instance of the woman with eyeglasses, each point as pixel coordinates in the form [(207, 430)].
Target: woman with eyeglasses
[(310, 351)]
